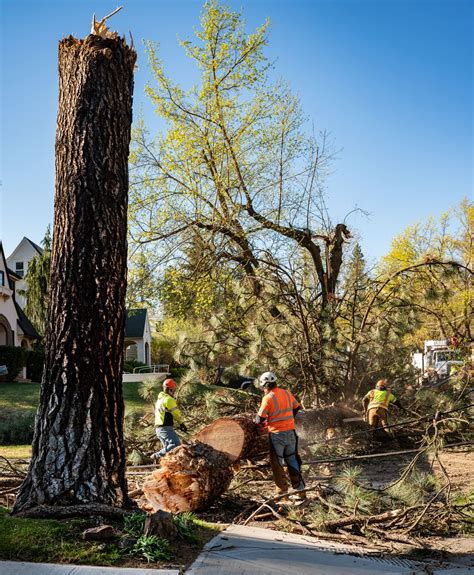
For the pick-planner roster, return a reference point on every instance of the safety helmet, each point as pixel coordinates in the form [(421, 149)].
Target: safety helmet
[(381, 384), (266, 378), (169, 384)]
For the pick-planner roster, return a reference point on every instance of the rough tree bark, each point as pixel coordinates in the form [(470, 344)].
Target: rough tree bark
[(78, 450)]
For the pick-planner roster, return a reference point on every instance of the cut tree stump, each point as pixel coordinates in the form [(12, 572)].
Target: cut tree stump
[(233, 436), (190, 478)]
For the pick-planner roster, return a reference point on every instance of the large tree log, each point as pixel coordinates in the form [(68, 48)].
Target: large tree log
[(233, 436), (190, 478), (78, 449)]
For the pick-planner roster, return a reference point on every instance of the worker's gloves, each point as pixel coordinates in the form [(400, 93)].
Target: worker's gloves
[(182, 427)]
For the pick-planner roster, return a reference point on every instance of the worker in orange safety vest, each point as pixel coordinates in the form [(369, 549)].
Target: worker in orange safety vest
[(377, 403), (277, 413)]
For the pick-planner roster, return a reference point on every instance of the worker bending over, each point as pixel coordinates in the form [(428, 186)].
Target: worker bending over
[(167, 415), (277, 412), (377, 404)]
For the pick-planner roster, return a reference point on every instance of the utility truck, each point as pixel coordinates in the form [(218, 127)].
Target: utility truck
[(440, 358)]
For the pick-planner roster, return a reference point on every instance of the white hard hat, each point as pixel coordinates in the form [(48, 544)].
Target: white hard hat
[(267, 377)]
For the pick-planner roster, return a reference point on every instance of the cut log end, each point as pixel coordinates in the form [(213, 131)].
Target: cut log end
[(232, 436), (190, 478)]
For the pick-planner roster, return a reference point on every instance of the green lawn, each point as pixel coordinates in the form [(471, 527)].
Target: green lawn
[(15, 451), (23, 398), (52, 541)]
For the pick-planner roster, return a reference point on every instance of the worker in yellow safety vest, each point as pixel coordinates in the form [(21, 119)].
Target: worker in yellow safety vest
[(377, 403), (167, 415)]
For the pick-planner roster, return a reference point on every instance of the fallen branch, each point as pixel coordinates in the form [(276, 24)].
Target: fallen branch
[(425, 509), (377, 455), (10, 482), (362, 519), (15, 470), (277, 498)]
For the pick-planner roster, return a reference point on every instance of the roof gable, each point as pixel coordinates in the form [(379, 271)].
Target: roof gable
[(25, 323), (3, 260), (26, 242), (135, 322)]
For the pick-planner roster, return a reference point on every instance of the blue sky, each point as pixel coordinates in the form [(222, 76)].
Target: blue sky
[(390, 80)]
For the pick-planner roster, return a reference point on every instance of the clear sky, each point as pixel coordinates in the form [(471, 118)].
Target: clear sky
[(391, 80)]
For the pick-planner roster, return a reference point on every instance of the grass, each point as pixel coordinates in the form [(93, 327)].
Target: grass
[(24, 397), (46, 540), (15, 451), (52, 541)]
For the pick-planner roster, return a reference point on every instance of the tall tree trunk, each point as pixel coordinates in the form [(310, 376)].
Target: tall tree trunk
[(78, 449)]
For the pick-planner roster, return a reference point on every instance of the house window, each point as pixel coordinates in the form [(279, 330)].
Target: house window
[(20, 268), (2, 278)]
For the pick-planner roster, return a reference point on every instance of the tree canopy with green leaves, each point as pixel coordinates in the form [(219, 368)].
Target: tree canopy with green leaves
[(37, 285), (228, 201)]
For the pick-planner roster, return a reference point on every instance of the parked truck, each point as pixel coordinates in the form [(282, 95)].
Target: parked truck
[(440, 358)]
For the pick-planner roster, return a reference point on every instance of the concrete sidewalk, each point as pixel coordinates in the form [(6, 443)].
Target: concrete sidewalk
[(242, 550), (17, 568)]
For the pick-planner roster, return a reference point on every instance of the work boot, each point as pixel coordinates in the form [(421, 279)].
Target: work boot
[(301, 496), (280, 493)]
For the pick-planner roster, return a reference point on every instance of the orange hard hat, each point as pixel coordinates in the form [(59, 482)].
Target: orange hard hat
[(169, 384)]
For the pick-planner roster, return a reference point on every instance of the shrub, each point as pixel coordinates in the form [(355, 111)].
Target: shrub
[(14, 358), (131, 364), (34, 364), (16, 426), (162, 349), (178, 372)]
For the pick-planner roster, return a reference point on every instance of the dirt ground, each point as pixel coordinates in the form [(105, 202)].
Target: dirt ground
[(459, 465)]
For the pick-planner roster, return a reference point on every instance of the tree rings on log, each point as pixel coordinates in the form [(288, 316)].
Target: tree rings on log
[(189, 478), (233, 436)]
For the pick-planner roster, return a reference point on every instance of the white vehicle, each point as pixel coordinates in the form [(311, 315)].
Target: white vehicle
[(437, 360)]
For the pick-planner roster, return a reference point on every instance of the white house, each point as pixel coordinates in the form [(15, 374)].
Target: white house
[(137, 336), (15, 328), (137, 325), (18, 262)]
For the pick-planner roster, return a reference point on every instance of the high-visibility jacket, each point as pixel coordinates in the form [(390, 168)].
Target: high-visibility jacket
[(166, 410), (277, 407), (379, 398)]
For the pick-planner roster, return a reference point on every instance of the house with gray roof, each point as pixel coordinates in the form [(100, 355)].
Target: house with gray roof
[(137, 336)]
